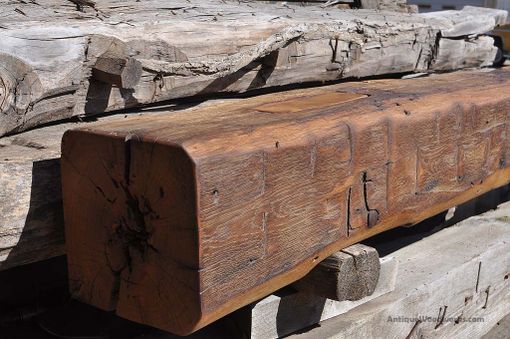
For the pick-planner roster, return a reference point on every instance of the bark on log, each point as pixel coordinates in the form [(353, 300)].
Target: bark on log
[(177, 220), (188, 48)]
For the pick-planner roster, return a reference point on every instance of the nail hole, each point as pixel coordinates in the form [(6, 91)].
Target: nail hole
[(506, 277), (277, 144)]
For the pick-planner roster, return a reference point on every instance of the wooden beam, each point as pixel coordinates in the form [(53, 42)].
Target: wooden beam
[(349, 274), (176, 220), (49, 55)]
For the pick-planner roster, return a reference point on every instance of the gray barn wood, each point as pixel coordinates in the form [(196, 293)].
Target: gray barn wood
[(48, 50), (452, 284)]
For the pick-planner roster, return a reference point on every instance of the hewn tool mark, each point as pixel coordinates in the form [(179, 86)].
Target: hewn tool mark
[(313, 159), (441, 315), (478, 276), (265, 216), (413, 329), (487, 291), (348, 221), (372, 214)]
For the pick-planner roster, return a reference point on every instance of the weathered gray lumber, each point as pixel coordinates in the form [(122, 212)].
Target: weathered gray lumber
[(288, 311), (31, 219), (116, 67), (452, 284), (349, 274), (388, 5), (187, 48)]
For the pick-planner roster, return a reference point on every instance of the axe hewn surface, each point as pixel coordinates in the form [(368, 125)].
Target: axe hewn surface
[(60, 59), (176, 220)]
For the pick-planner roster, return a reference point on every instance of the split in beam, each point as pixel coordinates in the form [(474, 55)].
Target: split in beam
[(176, 220)]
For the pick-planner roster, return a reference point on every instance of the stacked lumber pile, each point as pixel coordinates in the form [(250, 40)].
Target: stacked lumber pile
[(175, 215)]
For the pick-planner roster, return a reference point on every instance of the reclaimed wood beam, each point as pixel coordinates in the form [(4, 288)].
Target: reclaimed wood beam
[(177, 220), (52, 65)]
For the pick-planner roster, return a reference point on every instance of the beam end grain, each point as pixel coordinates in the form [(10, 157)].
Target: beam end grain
[(350, 274)]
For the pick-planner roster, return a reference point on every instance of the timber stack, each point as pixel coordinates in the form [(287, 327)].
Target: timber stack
[(202, 155)]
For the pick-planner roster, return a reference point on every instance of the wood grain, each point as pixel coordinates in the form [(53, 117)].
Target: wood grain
[(52, 53), (349, 274), (176, 220)]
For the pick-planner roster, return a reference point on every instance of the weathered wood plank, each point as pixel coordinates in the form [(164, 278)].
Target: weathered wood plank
[(386, 5), (349, 274), (199, 213), (48, 51), (452, 284)]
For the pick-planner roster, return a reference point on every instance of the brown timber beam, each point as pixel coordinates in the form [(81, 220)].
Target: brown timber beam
[(175, 220)]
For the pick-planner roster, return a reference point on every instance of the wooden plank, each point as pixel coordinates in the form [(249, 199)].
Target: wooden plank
[(288, 311), (199, 213), (452, 284), (349, 274), (49, 50)]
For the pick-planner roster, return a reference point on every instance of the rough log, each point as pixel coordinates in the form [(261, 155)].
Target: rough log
[(48, 50), (349, 274), (176, 220)]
